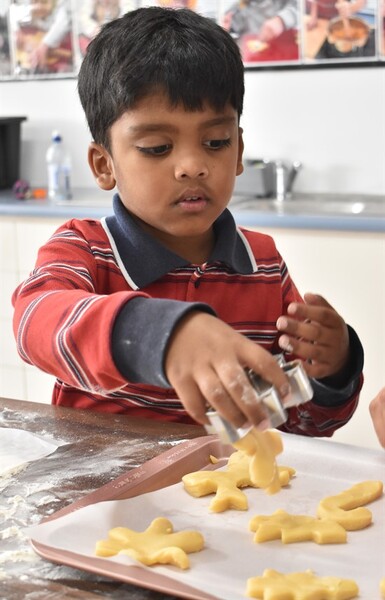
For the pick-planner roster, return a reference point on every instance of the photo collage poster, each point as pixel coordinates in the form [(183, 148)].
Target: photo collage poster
[(48, 38)]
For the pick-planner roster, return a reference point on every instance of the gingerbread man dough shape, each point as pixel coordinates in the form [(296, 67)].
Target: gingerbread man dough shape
[(158, 544), (226, 484), (300, 586), (296, 528)]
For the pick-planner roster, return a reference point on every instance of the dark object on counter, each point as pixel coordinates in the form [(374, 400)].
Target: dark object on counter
[(21, 189), (9, 150)]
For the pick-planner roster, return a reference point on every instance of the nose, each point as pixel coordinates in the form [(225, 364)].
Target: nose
[(191, 166)]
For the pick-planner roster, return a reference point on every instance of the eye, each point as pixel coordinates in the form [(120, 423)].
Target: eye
[(218, 144), (155, 150)]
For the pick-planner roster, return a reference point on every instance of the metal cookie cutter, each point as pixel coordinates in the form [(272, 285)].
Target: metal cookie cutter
[(267, 396), (301, 389)]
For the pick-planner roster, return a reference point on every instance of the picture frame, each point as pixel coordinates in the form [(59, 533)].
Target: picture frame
[(47, 39)]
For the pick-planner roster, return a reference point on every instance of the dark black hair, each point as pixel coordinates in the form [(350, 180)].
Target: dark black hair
[(188, 56)]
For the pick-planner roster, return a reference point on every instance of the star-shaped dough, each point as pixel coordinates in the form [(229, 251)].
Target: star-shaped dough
[(158, 544), (347, 507), (296, 528), (382, 587), (226, 484), (300, 586)]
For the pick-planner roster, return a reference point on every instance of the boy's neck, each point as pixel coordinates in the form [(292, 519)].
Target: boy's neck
[(195, 256), (195, 249)]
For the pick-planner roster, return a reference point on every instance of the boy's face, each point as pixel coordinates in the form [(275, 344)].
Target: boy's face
[(174, 169)]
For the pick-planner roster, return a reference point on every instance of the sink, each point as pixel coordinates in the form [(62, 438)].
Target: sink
[(315, 205)]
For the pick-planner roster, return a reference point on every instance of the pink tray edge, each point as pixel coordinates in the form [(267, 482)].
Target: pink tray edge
[(163, 470)]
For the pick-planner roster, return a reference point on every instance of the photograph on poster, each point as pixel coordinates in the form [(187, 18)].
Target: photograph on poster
[(47, 39), (266, 31), (340, 30), (41, 37), (5, 56), (91, 15)]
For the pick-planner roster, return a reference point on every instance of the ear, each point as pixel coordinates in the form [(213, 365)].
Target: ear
[(240, 152), (101, 165)]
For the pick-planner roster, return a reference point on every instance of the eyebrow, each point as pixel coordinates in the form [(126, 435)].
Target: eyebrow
[(154, 127)]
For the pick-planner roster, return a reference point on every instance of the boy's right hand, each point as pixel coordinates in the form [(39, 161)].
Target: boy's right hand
[(205, 364)]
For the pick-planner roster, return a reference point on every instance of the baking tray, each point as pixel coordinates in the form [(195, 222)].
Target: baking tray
[(230, 556)]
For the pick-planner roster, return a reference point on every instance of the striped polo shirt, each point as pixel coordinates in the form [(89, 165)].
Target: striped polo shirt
[(99, 307)]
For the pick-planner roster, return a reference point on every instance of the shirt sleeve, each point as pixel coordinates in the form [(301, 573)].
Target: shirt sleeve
[(141, 334), (330, 393), (331, 406), (69, 321)]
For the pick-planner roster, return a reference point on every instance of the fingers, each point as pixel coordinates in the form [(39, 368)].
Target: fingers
[(205, 363), (315, 332), (229, 392), (377, 412), (316, 308)]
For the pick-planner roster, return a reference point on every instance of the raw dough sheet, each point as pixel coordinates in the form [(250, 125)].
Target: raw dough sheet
[(19, 447), (230, 556)]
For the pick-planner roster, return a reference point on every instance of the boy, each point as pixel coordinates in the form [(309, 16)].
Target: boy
[(157, 310)]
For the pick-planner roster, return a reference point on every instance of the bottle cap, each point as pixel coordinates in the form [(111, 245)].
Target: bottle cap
[(56, 137)]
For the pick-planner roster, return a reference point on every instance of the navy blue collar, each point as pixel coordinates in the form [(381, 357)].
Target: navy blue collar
[(143, 259)]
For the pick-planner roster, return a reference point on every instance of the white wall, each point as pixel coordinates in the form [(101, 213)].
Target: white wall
[(333, 120)]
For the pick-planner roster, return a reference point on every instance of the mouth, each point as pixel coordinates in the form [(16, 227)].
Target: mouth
[(192, 202), (191, 199)]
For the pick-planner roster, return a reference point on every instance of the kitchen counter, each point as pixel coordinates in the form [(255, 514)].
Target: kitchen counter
[(343, 212), (94, 449)]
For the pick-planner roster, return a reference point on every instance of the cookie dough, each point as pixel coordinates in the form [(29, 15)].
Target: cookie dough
[(382, 587), (262, 447), (300, 586), (226, 484), (347, 507), (158, 544), (296, 528), (240, 461)]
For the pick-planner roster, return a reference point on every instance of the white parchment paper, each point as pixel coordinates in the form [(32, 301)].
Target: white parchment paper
[(18, 447), (230, 556)]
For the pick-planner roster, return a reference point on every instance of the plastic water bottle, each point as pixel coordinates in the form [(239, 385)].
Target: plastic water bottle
[(58, 169)]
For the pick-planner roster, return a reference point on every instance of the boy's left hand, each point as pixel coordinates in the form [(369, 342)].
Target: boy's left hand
[(316, 333)]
